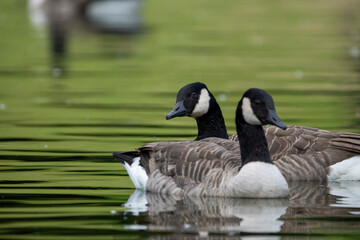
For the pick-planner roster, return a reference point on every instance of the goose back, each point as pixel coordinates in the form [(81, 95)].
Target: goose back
[(301, 140), (304, 153)]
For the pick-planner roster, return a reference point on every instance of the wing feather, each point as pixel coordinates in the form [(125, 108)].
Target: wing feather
[(302, 140), (188, 163)]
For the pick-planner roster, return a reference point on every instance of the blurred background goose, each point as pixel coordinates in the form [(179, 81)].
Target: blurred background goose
[(304, 153), (210, 169)]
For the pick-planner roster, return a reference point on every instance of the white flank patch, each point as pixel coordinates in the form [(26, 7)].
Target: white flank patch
[(346, 170), (202, 107), (260, 180), (137, 174), (248, 113)]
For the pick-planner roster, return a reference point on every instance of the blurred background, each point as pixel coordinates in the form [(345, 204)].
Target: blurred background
[(107, 72), (82, 78)]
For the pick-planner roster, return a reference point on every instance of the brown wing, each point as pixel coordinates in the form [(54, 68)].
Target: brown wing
[(187, 163), (158, 155), (229, 145), (299, 140)]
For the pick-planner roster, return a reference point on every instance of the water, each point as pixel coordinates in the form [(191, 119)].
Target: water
[(74, 90)]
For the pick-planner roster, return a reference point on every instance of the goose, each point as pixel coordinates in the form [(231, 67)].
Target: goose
[(205, 168), (196, 101), (310, 153)]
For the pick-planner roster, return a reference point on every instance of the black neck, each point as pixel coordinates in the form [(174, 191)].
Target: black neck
[(212, 124), (253, 144)]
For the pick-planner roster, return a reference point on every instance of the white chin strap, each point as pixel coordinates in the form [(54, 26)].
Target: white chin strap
[(248, 112), (202, 107)]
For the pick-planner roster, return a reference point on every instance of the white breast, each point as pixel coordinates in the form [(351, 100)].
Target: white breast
[(259, 180)]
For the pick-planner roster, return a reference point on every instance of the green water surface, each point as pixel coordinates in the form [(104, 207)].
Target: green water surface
[(61, 117)]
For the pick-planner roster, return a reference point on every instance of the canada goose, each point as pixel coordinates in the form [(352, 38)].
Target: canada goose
[(309, 153), (196, 101), (207, 168)]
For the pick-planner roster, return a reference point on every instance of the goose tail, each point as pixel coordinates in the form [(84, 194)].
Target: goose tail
[(132, 164), (348, 169), (125, 157)]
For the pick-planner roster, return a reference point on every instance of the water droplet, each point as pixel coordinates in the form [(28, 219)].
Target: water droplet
[(222, 97), (2, 106), (45, 146), (57, 72), (113, 211), (203, 233), (257, 41), (187, 225), (354, 52), (298, 74)]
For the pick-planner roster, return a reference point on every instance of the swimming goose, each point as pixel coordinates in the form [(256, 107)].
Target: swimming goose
[(209, 169), (310, 153)]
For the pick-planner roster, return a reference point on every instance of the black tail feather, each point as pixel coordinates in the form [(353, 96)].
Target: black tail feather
[(127, 157)]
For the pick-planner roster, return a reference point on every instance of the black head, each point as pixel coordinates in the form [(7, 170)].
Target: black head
[(193, 100), (257, 108)]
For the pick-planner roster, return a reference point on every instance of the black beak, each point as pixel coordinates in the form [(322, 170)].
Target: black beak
[(274, 119), (178, 111)]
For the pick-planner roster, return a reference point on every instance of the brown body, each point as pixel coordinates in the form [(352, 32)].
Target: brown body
[(300, 153)]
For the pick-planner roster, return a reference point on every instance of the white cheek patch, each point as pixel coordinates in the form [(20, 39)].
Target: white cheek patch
[(248, 113), (202, 107)]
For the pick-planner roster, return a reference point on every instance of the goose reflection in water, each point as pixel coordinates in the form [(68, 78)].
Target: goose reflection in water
[(65, 17), (349, 195), (205, 215), (209, 214)]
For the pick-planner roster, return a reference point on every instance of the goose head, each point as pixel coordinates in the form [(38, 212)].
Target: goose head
[(193, 100), (257, 108)]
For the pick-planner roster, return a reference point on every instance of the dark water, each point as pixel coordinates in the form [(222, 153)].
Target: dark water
[(76, 85)]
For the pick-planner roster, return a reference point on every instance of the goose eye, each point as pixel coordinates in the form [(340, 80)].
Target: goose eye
[(257, 102), (194, 94)]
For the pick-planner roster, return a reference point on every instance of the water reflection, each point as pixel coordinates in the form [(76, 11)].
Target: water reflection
[(310, 206), (349, 194), (65, 17), (208, 214)]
